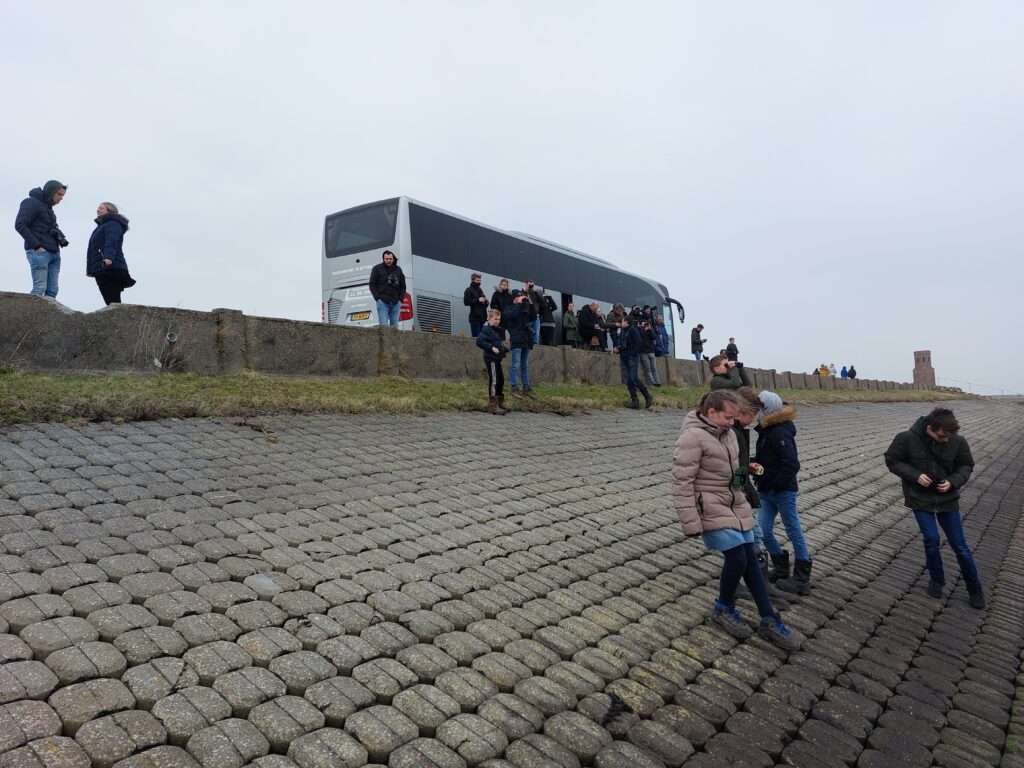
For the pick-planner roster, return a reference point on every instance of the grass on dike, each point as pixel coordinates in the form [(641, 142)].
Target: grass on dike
[(29, 396)]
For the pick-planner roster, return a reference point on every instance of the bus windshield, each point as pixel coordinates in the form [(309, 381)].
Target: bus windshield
[(361, 229)]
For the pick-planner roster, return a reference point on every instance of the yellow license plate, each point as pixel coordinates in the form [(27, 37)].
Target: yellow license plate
[(359, 316)]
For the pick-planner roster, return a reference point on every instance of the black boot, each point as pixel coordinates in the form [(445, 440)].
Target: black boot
[(801, 581), (780, 567), (648, 400), (779, 598), (634, 404)]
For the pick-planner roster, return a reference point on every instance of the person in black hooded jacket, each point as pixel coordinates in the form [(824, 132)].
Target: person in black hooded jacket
[(37, 224), (104, 258), (473, 297), (387, 286)]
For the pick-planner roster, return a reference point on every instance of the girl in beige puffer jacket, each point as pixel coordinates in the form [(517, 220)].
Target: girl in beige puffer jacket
[(707, 488)]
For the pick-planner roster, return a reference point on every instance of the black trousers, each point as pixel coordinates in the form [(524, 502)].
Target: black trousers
[(495, 379), (547, 335), (110, 287)]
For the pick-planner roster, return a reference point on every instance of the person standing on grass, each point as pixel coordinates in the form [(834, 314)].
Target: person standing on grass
[(648, 345), (534, 296), (518, 321), (707, 490), (570, 327), (663, 344), (104, 259), (547, 319), (491, 341), (934, 462), (629, 350), (732, 352), (501, 300), (473, 297), (387, 286), (37, 224)]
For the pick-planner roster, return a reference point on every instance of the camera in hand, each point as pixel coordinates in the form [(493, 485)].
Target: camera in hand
[(59, 237)]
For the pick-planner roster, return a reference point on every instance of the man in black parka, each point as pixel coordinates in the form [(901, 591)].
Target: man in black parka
[(387, 286), (934, 463), (37, 224)]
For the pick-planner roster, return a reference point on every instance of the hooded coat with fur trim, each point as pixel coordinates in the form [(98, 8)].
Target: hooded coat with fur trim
[(705, 459), (776, 451)]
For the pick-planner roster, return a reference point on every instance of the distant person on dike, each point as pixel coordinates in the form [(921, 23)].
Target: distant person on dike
[(697, 343), (518, 321), (707, 490), (501, 300), (387, 286), (570, 327), (777, 488), (629, 349), (547, 319), (37, 224), (589, 322), (832, 369), (104, 260), (934, 462), (727, 374), (843, 373), (648, 347), (816, 372), (823, 370), (491, 341), (731, 350), (852, 373), (474, 298)]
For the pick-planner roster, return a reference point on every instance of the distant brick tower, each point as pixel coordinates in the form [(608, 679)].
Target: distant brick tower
[(924, 374)]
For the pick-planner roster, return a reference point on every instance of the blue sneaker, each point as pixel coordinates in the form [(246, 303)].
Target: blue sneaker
[(729, 619), (774, 631)]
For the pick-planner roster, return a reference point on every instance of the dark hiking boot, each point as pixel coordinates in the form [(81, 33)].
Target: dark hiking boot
[(780, 567), (648, 400), (501, 402), (729, 619), (530, 393), (800, 583), (777, 633), (516, 393), (634, 404), (934, 589), (494, 408), (977, 600)]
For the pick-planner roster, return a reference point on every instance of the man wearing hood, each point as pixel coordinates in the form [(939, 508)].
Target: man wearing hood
[(37, 224), (777, 489), (387, 286), (934, 463)]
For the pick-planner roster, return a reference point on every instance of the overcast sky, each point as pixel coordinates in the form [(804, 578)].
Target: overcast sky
[(837, 182)]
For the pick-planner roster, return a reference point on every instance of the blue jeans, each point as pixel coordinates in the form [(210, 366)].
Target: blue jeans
[(387, 314), (45, 266), (697, 356), (520, 362), (784, 504), (629, 368), (535, 326), (929, 523)]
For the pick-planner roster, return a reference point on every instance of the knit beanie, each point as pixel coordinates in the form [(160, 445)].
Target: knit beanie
[(771, 403)]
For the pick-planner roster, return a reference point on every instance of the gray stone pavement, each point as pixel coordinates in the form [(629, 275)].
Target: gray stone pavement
[(458, 590)]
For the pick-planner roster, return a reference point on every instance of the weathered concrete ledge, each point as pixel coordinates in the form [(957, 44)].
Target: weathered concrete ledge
[(43, 334)]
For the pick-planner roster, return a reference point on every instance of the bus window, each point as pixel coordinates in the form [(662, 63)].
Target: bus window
[(361, 229)]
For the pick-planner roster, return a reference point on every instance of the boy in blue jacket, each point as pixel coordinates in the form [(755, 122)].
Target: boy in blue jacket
[(491, 341), (777, 489)]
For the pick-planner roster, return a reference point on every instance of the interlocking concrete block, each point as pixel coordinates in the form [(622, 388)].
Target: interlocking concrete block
[(64, 577), (89, 598), (142, 645), (86, 661), (228, 744), (301, 669), (466, 686), (48, 752), (25, 721), (189, 711), (51, 635), (248, 687), (388, 638), (462, 646), (13, 648), (327, 748), (473, 738), (339, 697), (425, 753), (172, 606), (159, 757), (427, 706), (77, 704), (426, 661), (114, 737), (536, 749), (384, 678), (23, 611), (114, 621), (284, 719), (25, 680), (204, 628), (151, 682), (511, 715), (268, 643), (381, 729)]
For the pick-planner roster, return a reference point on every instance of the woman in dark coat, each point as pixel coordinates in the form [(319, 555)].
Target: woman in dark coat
[(105, 257)]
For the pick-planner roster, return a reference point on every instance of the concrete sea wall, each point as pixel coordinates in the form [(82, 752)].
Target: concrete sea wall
[(42, 334)]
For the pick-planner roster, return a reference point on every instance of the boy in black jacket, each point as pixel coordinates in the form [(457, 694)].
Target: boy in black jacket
[(491, 341), (777, 488)]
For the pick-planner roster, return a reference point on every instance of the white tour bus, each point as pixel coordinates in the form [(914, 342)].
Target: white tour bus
[(438, 251)]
